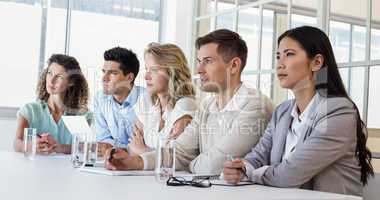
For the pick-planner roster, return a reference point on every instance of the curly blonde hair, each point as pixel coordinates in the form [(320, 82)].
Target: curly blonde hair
[(76, 97), (171, 59)]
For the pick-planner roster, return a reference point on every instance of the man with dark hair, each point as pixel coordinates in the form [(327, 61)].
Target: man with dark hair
[(115, 106), (229, 122)]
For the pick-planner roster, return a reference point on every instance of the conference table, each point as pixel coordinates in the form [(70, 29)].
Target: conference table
[(54, 178)]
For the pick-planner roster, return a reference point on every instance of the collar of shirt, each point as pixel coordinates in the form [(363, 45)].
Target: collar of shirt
[(235, 103), (305, 113), (130, 100)]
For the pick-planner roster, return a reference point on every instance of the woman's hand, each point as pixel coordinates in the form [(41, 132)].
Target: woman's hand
[(179, 126), (46, 144), (136, 143), (233, 171)]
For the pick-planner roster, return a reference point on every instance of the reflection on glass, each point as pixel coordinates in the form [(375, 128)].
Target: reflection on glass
[(344, 75), (374, 98), (266, 84), (109, 24), (248, 27), (357, 87), (375, 32), (19, 49), (340, 40), (358, 43), (301, 20), (267, 40), (375, 44), (56, 28), (226, 20), (250, 80)]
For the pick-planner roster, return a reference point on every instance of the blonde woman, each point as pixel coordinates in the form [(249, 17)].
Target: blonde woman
[(172, 95)]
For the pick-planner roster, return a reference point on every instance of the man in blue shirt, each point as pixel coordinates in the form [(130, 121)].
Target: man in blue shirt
[(114, 107)]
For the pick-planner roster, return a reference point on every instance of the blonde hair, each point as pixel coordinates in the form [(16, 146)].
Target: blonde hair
[(171, 59)]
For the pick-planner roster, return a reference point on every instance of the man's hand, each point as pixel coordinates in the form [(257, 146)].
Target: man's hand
[(121, 160), (102, 148)]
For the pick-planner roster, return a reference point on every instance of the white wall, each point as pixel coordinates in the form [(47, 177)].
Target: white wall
[(176, 24), (8, 128)]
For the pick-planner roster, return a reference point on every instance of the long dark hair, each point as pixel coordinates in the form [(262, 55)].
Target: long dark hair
[(76, 97), (330, 84)]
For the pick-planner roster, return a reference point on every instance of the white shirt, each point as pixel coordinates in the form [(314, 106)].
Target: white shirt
[(300, 122), (150, 119)]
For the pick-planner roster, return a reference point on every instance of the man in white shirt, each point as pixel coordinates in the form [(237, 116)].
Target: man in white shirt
[(228, 123)]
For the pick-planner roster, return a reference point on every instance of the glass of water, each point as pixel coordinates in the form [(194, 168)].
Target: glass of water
[(30, 143), (165, 159), (84, 151)]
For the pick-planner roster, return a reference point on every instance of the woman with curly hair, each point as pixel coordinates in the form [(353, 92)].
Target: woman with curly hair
[(62, 90), (172, 95)]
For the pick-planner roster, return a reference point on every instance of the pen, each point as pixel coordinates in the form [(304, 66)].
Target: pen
[(113, 150), (242, 170)]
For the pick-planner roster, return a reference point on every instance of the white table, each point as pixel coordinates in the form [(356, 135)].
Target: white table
[(53, 178)]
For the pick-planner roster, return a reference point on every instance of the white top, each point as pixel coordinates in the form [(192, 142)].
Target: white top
[(53, 178), (151, 117), (298, 126)]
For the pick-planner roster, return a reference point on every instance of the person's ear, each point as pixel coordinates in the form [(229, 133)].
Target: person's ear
[(235, 65), (130, 77), (317, 63)]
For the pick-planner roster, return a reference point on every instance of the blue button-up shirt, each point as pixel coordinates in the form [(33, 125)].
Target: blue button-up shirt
[(114, 120)]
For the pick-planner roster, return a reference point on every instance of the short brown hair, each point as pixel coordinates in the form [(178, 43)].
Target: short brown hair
[(230, 44)]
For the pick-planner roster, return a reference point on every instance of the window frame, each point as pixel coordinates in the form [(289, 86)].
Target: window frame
[(7, 112)]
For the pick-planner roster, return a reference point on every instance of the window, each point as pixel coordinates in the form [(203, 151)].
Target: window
[(248, 28), (358, 43), (374, 98), (95, 26), (19, 49), (301, 20), (226, 20), (111, 24), (340, 40)]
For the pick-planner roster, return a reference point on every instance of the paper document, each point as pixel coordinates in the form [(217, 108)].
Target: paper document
[(189, 176), (104, 171), (77, 125), (221, 182)]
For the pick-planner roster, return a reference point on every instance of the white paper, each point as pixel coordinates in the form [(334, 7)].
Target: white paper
[(104, 171), (77, 125)]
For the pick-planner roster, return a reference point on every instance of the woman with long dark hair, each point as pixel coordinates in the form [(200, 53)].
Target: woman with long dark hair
[(317, 140), (62, 90)]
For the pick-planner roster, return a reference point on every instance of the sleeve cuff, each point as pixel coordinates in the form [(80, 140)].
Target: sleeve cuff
[(257, 174), (248, 170), (144, 162)]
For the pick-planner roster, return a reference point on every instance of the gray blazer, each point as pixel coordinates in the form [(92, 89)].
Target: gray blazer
[(324, 159)]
